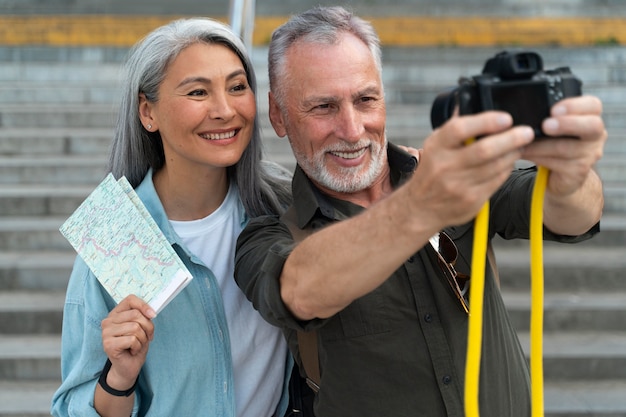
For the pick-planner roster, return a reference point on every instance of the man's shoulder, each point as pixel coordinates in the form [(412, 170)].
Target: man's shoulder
[(262, 228), (262, 222)]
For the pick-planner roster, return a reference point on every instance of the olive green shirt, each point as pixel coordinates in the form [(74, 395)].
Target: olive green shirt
[(399, 350)]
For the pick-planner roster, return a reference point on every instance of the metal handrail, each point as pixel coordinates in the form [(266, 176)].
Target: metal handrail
[(241, 16)]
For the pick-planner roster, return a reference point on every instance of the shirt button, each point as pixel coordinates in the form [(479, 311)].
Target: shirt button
[(428, 317), (446, 380)]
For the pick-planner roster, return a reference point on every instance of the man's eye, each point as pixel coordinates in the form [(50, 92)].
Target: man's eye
[(324, 106)]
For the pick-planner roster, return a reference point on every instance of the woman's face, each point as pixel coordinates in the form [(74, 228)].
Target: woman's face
[(205, 111)]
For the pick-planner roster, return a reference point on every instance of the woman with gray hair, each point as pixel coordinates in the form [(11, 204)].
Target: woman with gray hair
[(188, 141)]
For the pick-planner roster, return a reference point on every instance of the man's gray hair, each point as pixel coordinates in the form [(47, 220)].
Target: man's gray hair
[(135, 150), (321, 25)]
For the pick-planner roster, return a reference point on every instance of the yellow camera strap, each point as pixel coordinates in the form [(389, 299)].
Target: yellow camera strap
[(537, 291), (472, 366)]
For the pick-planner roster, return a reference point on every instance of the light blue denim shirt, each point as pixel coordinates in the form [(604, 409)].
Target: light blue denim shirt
[(188, 371)]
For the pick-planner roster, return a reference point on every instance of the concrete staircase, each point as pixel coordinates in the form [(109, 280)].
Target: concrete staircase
[(57, 108)]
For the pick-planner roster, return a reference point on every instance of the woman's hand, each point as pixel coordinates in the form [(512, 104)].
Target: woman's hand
[(126, 336)]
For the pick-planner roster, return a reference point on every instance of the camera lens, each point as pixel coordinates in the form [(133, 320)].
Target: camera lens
[(443, 107)]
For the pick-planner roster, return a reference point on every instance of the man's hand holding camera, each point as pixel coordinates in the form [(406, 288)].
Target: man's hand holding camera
[(570, 161), (545, 121), (459, 177), (453, 178)]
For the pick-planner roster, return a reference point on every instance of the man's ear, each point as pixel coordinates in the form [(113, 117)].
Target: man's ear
[(276, 117), (145, 114)]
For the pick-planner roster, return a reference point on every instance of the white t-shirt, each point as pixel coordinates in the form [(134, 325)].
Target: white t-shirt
[(258, 348)]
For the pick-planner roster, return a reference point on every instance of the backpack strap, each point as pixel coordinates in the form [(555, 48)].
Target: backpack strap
[(491, 257), (307, 341)]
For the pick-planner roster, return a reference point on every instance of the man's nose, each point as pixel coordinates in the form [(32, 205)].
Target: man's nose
[(350, 124)]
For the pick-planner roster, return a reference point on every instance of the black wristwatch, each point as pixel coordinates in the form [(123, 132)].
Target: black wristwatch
[(103, 383)]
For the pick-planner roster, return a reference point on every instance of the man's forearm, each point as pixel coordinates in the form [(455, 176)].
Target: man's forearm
[(347, 260)]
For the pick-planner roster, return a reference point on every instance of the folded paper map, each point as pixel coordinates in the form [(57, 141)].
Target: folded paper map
[(123, 246)]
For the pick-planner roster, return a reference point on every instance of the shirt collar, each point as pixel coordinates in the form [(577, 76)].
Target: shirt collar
[(148, 195), (311, 202)]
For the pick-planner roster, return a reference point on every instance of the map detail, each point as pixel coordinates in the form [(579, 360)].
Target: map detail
[(123, 246)]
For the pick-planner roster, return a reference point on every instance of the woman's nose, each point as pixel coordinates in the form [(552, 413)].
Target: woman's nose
[(220, 107)]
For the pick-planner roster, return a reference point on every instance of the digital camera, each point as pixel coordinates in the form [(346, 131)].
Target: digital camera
[(512, 82)]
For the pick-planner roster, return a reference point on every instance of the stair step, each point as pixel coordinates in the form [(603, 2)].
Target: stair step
[(27, 398), (443, 65), (590, 356), (570, 311), (29, 358), (57, 116), (615, 198), (36, 271), (24, 313), (38, 200), (52, 169), (612, 234), (73, 73), (611, 167), (582, 398), (32, 234), (55, 140), (46, 92), (580, 268), (561, 399)]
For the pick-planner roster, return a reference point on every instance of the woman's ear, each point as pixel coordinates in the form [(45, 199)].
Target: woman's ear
[(276, 116), (145, 114)]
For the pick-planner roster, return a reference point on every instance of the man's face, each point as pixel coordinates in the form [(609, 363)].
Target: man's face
[(334, 114)]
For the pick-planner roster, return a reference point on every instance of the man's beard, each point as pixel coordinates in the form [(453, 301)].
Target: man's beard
[(344, 179)]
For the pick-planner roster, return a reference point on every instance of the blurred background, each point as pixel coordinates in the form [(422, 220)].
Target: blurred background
[(59, 79)]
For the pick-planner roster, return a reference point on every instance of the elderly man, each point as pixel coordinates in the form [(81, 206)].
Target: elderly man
[(391, 334)]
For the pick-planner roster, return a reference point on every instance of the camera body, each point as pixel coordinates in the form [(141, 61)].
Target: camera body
[(512, 82)]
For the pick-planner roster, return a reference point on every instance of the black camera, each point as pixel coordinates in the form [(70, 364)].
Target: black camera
[(512, 82)]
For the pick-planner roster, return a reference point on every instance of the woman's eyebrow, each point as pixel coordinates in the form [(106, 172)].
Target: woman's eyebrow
[(205, 80)]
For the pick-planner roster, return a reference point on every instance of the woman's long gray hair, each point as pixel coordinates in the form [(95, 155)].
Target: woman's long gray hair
[(263, 189)]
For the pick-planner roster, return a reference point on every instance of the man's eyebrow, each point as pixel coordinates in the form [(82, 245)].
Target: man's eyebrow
[(368, 91), (204, 80), (315, 100)]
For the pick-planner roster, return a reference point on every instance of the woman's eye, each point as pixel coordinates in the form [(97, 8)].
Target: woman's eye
[(240, 87), (197, 93)]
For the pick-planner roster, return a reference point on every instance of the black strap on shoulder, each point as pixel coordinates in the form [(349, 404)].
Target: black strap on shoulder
[(307, 341)]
